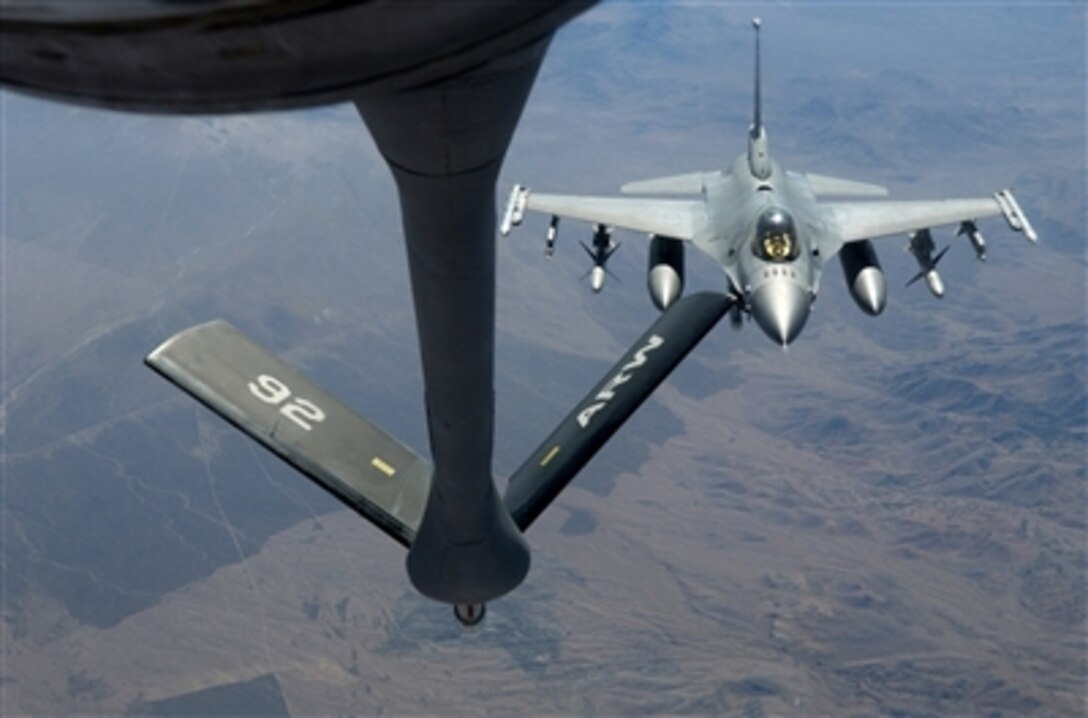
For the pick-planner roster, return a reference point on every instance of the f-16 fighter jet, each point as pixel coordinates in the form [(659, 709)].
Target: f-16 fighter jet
[(770, 231)]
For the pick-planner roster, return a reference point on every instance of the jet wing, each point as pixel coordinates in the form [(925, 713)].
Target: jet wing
[(370, 471), (867, 220), (679, 219)]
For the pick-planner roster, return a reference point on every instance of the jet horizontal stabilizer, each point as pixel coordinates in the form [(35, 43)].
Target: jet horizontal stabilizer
[(608, 405), (691, 183), (825, 186), (370, 471)]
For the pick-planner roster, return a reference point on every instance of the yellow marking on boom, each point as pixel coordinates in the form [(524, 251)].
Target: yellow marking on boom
[(381, 466), (550, 455)]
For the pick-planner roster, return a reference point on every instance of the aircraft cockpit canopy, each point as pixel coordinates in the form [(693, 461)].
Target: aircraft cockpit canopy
[(775, 238)]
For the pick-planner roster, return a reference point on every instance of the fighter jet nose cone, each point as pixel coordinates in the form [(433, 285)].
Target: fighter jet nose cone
[(780, 308)]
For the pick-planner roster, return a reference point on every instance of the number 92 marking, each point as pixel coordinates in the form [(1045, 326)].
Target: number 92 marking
[(271, 390)]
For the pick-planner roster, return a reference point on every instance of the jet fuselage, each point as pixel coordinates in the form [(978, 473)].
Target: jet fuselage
[(762, 233)]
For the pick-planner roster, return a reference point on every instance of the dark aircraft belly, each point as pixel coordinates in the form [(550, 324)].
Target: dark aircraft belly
[(199, 57)]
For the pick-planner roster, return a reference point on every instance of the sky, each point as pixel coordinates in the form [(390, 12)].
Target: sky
[(889, 517)]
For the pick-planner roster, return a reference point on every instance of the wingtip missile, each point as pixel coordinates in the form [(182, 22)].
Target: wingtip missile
[(1015, 216), (515, 209)]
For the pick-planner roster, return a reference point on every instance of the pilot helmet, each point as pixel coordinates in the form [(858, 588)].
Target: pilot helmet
[(775, 241)]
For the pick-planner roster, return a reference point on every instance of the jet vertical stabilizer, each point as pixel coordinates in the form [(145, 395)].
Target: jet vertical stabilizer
[(759, 159)]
